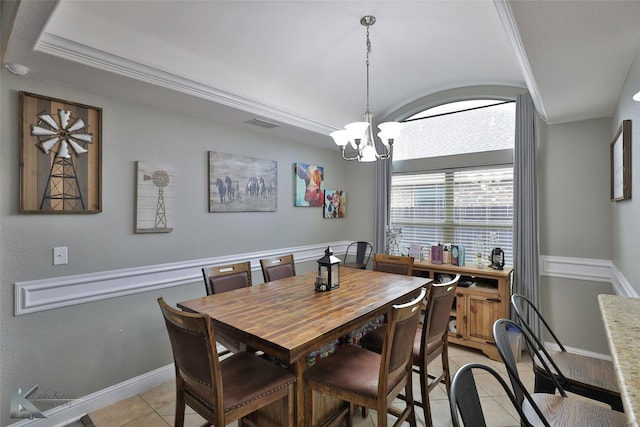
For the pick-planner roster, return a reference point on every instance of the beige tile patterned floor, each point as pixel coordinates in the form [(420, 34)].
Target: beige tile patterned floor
[(155, 407)]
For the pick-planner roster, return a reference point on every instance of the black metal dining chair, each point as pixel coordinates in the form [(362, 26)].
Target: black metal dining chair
[(580, 374), (358, 255), (546, 408)]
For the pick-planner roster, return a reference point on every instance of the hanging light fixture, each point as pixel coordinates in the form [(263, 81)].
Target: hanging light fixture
[(360, 134)]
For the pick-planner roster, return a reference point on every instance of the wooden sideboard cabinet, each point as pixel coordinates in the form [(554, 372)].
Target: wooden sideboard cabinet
[(483, 296)]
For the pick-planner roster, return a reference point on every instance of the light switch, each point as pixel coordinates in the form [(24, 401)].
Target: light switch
[(60, 255)]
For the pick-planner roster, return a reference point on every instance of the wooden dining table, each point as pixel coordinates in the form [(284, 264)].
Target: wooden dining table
[(288, 319)]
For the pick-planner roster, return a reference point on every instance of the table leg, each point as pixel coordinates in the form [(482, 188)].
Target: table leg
[(298, 369)]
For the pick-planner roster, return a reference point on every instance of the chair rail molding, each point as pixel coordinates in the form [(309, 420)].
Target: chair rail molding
[(588, 269), (47, 294), (595, 270)]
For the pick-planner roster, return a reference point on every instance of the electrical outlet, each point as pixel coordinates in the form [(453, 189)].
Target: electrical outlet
[(60, 255)]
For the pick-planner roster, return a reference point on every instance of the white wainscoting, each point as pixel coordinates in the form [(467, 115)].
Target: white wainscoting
[(588, 269), (46, 294)]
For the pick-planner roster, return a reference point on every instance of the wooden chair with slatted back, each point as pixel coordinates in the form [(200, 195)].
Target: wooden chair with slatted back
[(365, 378), (221, 391), (580, 374), (278, 267), (224, 278), (547, 408), (393, 264)]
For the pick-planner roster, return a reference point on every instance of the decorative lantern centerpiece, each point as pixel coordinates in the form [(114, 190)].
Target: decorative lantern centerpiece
[(328, 277)]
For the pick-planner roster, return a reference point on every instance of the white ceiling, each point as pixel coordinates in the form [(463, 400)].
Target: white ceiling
[(301, 64)]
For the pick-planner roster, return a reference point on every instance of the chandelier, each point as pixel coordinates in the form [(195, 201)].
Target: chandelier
[(360, 134)]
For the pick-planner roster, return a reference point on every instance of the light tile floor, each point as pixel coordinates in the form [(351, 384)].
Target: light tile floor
[(155, 407)]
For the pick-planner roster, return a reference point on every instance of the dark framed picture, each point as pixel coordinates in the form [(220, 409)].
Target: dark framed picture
[(60, 156), (620, 150)]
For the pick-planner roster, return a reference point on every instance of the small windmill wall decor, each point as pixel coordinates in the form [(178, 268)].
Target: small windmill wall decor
[(154, 207), (60, 167)]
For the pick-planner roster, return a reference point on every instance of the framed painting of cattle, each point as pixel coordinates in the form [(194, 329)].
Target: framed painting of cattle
[(242, 184), (335, 204), (309, 188)]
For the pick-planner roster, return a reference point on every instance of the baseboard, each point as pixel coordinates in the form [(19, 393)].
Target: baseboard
[(553, 346), (77, 408)]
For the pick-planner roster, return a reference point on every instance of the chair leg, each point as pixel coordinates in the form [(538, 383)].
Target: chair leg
[(308, 405), (179, 420), (424, 390), (445, 368), (382, 415), (409, 395)]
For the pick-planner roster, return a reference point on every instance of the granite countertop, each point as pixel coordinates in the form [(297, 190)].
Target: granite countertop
[(621, 316)]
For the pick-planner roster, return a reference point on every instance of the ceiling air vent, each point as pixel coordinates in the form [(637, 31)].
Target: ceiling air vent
[(261, 123)]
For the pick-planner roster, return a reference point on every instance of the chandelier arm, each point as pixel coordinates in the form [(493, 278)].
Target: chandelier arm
[(357, 157)]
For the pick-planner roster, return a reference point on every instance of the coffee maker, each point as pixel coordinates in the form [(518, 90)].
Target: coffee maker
[(497, 259)]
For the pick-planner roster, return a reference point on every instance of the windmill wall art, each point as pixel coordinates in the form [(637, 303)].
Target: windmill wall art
[(60, 156), (154, 201)]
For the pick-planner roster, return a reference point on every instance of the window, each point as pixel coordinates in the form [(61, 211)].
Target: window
[(458, 185)]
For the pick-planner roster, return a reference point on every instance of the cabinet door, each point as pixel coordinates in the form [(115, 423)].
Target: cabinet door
[(480, 314)]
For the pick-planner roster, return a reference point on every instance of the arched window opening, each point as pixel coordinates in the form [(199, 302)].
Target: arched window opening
[(458, 188)]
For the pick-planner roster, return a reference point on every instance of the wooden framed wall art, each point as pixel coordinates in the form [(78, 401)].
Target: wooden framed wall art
[(242, 184), (620, 158), (154, 198), (60, 156)]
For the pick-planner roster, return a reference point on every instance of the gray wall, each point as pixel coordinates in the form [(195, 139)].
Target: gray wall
[(625, 227), (573, 182), (85, 348)]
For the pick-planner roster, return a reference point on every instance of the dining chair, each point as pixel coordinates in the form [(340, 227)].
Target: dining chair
[(465, 400), (431, 341), (223, 278), (393, 264), (369, 379), (580, 374), (358, 255), (278, 267), (547, 408), (221, 391)]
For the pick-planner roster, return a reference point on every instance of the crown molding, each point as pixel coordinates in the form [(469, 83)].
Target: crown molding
[(513, 34), (86, 55)]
